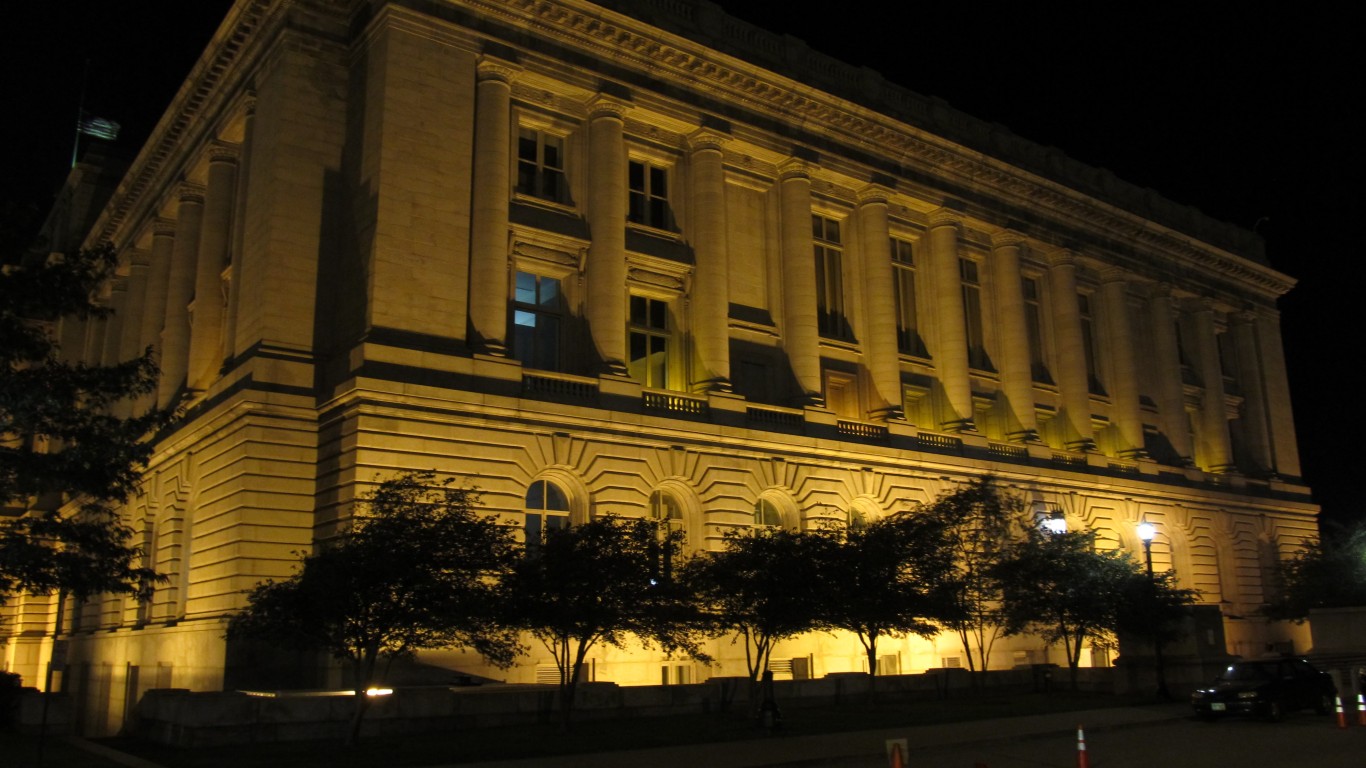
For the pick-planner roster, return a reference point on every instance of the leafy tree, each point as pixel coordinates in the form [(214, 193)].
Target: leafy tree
[(1060, 587), (1152, 608), (981, 522), (764, 587), (59, 434), (418, 570), (601, 583), (890, 578), (1326, 573)]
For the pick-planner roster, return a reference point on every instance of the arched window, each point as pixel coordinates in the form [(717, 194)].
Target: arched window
[(668, 515), (857, 520), (547, 509), (767, 514), (665, 509)]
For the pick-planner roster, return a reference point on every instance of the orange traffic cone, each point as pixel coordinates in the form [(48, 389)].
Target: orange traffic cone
[(1361, 709), (1082, 762), (1342, 717)]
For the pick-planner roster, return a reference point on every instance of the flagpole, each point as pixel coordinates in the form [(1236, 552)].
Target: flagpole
[(80, 113)]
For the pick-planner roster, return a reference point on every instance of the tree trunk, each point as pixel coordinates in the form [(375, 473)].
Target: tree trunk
[(364, 670)]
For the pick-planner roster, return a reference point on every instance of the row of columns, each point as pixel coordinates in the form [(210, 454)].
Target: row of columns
[(605, 212)]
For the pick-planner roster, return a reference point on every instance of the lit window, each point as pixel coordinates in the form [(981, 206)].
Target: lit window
[(908, 339), (767, 515), (537, 315), (649, 198), (1034, 331), (540, 165), (668, 515), (829, 278), (649, 342), (972, 315), (547, 509)]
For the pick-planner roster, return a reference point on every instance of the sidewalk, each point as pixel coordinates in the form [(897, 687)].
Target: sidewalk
[(857, 746)]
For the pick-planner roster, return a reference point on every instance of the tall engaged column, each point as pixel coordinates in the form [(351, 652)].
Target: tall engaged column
[(134, 307), (710, 310), (951, 332), (234, 272), (206, 330), (1214, 438), (801, 335), (1256, 436), (1167, 372), (492, 191), (154, 311), (1016, 368), (607, 226), (1119, 341), (879, 338), (1281, 423), (1073, 384), (175, 331)]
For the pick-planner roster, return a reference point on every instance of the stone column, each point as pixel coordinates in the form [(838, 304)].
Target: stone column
[(130, 344), (175, 331), (1124, 396), (879, 337), (1281, 423), (108, 354), (607, 197), (234, 283), (1214, 438), (215, 237), (492, 191), (1073, 385), (1167, 371), (801, 335), (1243, 328), (951, 332), (1016, 369), (710, 297), (154, 313)]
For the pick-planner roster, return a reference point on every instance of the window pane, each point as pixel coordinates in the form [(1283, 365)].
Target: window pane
[(549, 290), (555, 498), (638, 310), (526, 288), (658, 314), (535, 495)]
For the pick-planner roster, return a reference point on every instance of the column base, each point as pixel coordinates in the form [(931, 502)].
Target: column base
[(1025, 437), (959, 426), (1086, 445)]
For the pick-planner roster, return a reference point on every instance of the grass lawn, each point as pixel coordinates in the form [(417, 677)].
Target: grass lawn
[(548, 740)]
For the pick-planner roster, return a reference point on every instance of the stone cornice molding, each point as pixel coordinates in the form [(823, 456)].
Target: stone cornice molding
[(707, 139), (493, 69), (190, 192), (874, 194)]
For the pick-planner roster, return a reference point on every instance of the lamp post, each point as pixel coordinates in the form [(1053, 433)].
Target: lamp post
[(1146, 532)]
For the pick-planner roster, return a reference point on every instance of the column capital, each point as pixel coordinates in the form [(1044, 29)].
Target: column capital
[(190, 192), (1160, 290), (163, 227), (493, 69), (1007, 238), (603, 105), (223, 152), (1062, 257), (138, 257), (1109, 274), (705, 139), (794, 168), (945, 217), (874, 194)]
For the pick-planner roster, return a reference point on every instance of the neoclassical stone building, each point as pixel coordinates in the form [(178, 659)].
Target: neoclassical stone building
[(643, 258)]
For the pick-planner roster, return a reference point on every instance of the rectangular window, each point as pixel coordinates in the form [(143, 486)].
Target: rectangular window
[(540, 165), (537, 317), (649, 341), (649, 196), (1088, 344), (1034, 331), (829, 278), (908, 339), (972, 315)]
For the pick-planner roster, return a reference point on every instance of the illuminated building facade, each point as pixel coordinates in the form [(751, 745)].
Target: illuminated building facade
[(659, 264)]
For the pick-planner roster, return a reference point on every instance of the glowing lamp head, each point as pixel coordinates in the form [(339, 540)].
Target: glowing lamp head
[(1146, 531), (1056, 524)]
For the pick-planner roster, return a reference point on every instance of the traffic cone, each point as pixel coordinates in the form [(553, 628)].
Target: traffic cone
[(1082, 762), (1361, 709), (1342, 717)]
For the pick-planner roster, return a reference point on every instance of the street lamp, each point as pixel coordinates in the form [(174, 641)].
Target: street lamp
[(1146, 532), (1055, 523)]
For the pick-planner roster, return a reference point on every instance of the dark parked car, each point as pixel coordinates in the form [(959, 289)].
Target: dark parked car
[(1266, 688)]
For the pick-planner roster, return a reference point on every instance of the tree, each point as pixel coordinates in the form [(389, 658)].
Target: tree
[(601, 583), (1329, 572), (419, 570), (890, 578), (764, 587), (60, 435), (981, 522), (1060, 587)]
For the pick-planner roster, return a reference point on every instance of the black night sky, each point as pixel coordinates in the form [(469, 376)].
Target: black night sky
[(1252, 115)]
